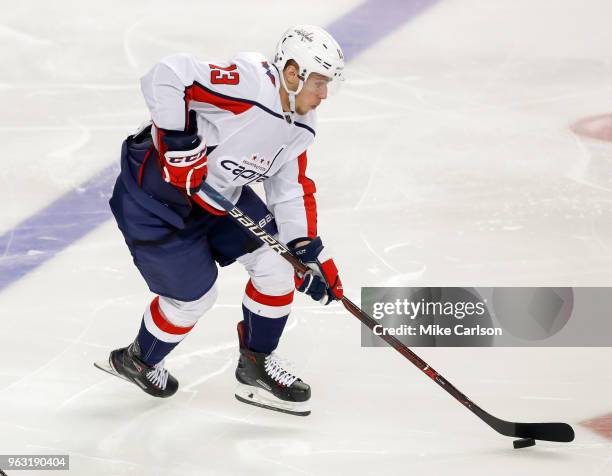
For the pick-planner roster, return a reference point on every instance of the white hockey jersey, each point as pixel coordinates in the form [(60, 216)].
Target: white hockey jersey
[(249, 140)]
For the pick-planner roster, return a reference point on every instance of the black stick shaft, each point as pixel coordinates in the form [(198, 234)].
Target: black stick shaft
[(546, 431), (412, 357)]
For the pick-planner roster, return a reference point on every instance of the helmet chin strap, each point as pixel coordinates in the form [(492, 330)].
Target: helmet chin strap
[(292, 95)]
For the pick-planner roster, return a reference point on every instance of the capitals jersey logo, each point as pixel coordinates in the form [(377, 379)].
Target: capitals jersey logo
[(251, 169)]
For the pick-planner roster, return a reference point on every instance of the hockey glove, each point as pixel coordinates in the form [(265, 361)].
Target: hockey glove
[(322, 282), (183, 157)]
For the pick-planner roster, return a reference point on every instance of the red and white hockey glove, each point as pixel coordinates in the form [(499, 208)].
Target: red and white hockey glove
[(183, 157), (322, 282)]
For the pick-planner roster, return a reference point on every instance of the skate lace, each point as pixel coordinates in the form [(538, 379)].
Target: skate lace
[(158, 375), (275, 370)]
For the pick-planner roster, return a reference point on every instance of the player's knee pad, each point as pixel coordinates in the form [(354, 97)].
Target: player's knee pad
[(269, 272), (187, 313)]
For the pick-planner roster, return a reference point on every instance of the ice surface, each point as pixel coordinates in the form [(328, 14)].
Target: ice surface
[(447, 159)]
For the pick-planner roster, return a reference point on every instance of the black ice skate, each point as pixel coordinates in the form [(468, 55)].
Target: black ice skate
[(264, 383), (126, 363)]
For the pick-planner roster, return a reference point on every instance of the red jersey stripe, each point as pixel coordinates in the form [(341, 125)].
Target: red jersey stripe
[(196, 92), (162, 323), (310, 204), (262, 298)]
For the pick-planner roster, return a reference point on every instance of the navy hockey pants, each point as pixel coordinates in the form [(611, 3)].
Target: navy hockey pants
[(175, 244)]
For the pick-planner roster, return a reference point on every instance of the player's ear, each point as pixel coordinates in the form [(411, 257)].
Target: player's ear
[(291, 75)]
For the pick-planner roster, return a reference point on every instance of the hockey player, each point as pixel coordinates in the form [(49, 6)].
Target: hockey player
[(232, 124)]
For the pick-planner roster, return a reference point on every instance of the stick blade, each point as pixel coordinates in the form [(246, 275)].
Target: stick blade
[(561, 432)]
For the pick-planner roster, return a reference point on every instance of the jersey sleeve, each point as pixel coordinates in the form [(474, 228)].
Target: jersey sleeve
[(290, 198), (180, 83)]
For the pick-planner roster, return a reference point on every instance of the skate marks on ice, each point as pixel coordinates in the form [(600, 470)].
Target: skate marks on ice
[(411, 270), (593, 140)]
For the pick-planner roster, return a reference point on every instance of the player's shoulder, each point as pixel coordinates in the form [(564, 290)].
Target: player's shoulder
[(250, 60), (249, 71), (258, 70), (241, 76)]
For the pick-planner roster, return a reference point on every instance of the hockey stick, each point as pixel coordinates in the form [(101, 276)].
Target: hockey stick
[(561, 432)]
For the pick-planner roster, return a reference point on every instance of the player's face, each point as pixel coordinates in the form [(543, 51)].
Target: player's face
[(313, 92)]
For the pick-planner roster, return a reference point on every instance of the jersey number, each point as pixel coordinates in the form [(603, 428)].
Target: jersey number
[(221, 75)]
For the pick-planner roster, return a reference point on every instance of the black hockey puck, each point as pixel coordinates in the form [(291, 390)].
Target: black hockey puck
[(523, 443)]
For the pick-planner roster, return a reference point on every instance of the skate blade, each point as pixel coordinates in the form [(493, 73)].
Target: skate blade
[(263, 399), (105, 366)]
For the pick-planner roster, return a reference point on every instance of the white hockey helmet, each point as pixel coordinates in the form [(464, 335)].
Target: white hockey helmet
[(314, 50)]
